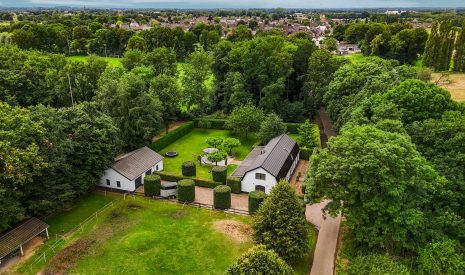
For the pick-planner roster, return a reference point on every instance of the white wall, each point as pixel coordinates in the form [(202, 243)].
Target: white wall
[(249, 181), (114, 176), (126, 184)]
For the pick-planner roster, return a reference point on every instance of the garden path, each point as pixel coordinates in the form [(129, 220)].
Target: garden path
[(205, 196)]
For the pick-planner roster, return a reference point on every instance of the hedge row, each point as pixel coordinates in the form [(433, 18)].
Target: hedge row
[(305, 153), (222, 197), (235, 184), (152, 185), (186, 190), (210, 123), (255, 199), (292, 128), (189, 169), (219, 174), (172, 136), (198, 182)]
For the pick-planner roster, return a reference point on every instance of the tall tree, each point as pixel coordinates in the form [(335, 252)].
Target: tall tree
[(166, 89), (271, 127), (245, 119)]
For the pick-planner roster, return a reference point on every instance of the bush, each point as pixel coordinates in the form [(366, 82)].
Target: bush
[(152, 185), (281, 214), (441, 257), (255, 199), (172, 136), (186, 190), (222, 197), (210, 123), (376, 265), (219, 174), (259, 260), (235, 184), (305, 153), (198, 182), (292, 128), (189, 169)]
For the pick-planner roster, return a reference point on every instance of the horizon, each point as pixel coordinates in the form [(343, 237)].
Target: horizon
[(238, 4)]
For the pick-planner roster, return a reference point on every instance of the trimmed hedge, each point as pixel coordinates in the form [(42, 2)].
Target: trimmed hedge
[(255, 199), (189, 169), (292, 128), (222, 197), (219, 174), (198, 182), (235, 184), (305, 153), (210, 123), (172, 136), (186, 190), (152, 185)]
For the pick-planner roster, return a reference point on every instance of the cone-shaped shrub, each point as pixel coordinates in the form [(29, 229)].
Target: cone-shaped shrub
[(152, 185), (222, 197), (186, 190)]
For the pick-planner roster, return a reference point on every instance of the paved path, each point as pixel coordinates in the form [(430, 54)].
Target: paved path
[(298, 176), (328, 229), (326, 245), (205, 195)]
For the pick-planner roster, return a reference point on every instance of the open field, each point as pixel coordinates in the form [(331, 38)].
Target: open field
[(112, 61), (192, 144), (141, 236), (455, 85)]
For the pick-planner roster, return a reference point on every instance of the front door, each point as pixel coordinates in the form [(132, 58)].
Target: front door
[(138, 182), (259, 188)]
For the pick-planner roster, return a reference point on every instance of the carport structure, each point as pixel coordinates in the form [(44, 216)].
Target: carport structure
[(15, 238)]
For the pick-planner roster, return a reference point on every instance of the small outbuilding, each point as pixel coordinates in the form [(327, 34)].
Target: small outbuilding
[(128, 171), (14, 239), (266, 165)]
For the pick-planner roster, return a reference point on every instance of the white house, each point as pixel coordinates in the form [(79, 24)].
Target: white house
[(266, 165), (128, 171)]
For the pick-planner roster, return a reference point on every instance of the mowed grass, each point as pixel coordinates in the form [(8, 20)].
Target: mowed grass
[(192, 144), (154, 237), (112, 61), (456, 85), (67, 220), (141, 236)]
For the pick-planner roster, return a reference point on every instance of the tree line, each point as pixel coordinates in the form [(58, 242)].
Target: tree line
[(394, 170)]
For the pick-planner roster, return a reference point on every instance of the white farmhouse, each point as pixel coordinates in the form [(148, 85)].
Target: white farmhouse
[(266, 165), (128, 171)]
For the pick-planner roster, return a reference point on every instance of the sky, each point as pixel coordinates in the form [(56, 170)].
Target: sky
[(189, 4)]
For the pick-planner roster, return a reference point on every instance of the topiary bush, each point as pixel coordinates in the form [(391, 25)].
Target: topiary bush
[(235, 184), (186, 190), (222, 197), (189, 169), (169, 176), (219, 174), (152, 185), (255, 199)]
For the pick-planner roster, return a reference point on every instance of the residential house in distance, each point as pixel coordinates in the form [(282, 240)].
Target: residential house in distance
[(266, 165), (344, 48), (128, 171)]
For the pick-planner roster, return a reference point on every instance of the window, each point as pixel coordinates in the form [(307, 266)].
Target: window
[(108, 182), (260, 176), (148, 172), (156, 168), (118, 184), (260, 188)]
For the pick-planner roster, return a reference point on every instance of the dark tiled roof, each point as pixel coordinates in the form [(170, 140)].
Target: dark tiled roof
[(247, 162), (19, 235), (137, 162), (276, 157)]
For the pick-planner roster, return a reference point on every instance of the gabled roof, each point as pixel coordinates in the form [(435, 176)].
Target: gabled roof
[(276, 157), (137, 162), (19, 235)]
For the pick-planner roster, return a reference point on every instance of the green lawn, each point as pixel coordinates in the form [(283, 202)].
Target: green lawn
[(67, 220), (112, 61), (151, 237), (192, 144)]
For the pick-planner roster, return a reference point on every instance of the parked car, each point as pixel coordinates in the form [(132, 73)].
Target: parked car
[(169, 190)]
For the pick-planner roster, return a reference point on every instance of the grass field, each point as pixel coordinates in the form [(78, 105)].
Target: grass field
[(455, 85), (192, 144), (112, 61), (143, 236)]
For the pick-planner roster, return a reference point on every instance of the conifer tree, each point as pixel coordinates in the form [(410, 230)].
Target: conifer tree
[(459, 59)]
